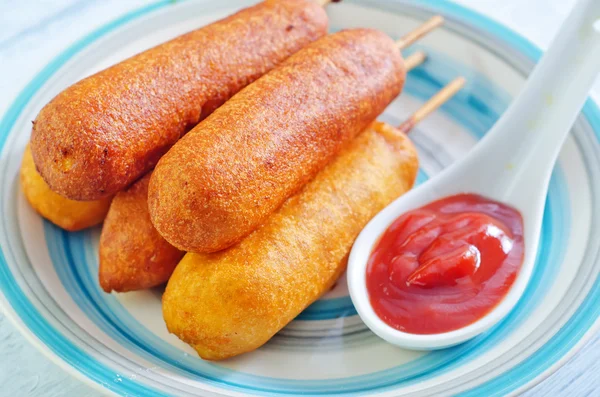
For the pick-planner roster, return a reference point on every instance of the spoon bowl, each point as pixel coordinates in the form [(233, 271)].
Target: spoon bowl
[(512, 165)]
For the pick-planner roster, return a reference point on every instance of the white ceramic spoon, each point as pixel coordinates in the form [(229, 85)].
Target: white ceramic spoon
[(512, 164)]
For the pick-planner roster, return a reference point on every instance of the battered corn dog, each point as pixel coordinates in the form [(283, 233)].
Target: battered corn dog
[(68, 214), (101, 134), (233, 301), (228, 174), (133, 255)]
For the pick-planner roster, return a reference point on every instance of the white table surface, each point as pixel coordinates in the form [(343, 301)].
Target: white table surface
[(33, 31)]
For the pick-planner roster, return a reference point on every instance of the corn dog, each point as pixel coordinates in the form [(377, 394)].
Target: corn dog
[(133, 255), (101, 134), (68, 214), (228, 174)]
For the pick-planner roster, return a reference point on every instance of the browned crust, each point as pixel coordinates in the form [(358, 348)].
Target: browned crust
[(106, 131), (233, 301), (133, 256), (230, 172), (68, 214)]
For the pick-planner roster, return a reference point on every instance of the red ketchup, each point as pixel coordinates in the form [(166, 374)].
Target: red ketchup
[(443, 266)]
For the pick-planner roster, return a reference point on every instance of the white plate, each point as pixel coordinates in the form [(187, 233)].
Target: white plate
[(48, 276)]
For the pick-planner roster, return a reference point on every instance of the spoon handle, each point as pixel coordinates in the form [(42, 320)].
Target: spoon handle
[(526, 141)]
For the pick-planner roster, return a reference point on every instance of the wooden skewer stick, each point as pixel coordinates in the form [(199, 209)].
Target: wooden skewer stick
[(433, 23), (419, 32), (414, 60), (441, 97)]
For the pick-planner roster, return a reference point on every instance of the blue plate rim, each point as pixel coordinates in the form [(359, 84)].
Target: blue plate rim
[(484, 23)]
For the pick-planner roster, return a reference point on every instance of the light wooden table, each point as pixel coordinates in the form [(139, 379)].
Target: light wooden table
[(33, 31)]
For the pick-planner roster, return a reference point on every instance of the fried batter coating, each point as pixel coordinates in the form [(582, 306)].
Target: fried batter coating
[(133, 256), (68, 214)]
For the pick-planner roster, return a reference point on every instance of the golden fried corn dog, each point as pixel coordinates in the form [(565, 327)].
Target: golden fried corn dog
[(69, 214), (227, 175), (133, 255), (233, 301), (106, 131)]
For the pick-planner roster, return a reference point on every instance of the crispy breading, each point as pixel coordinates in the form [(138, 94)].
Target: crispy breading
[(69, 214), (133, 256)]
